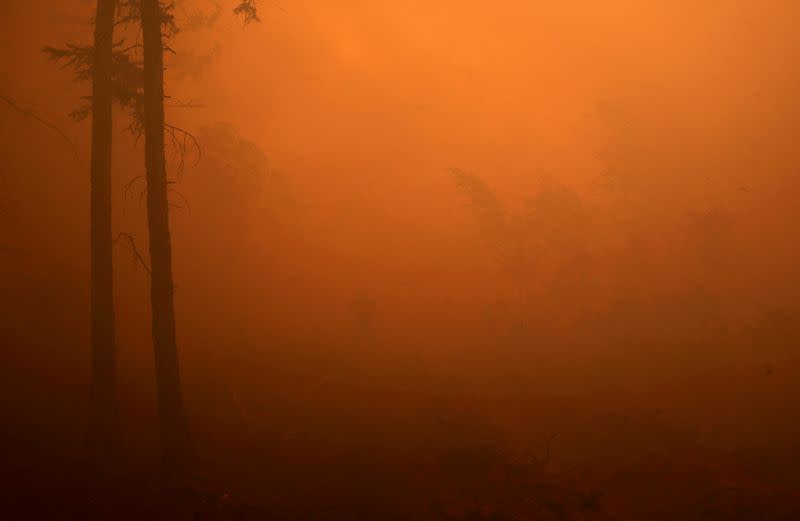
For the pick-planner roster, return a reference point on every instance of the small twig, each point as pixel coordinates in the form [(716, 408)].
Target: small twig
[(132, 242), (182, 198), (132, 47), (128, 189), (186, 105), (544, 460)]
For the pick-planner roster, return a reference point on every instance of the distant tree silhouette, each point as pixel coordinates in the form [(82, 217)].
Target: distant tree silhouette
[(248, 10), (491, 216), (545, 245), (503, 231)]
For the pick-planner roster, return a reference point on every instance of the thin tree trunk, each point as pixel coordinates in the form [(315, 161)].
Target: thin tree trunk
[(172, 419), (103, 421)]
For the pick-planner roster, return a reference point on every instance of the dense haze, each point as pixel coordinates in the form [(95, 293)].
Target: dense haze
[(510, 219)]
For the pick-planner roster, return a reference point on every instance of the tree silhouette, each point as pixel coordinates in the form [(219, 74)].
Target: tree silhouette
[(115, 75), (118, 73), (103, 422), (96, 63), (175, 444), (172, 417)]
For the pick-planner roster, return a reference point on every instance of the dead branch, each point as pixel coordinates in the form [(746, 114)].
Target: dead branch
[(128, 189), (132, 47), (31, 114), (132, 243), (181, 144), (184, 200)]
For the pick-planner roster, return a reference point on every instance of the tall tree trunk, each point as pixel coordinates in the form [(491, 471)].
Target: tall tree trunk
[(172, 419), (103, 421)]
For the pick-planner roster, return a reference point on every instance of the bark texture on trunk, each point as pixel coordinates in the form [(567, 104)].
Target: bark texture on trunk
[(172, 418), (103, 421)]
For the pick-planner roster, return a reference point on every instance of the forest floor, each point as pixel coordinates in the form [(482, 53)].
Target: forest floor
[(469, 487)]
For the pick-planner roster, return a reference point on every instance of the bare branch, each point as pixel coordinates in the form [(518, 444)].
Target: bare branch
[(29, 113), (185, 201), (136, 255), (128, 189), (181, 144)]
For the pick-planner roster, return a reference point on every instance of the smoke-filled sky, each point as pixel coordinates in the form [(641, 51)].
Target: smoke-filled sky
[(605, 187)]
